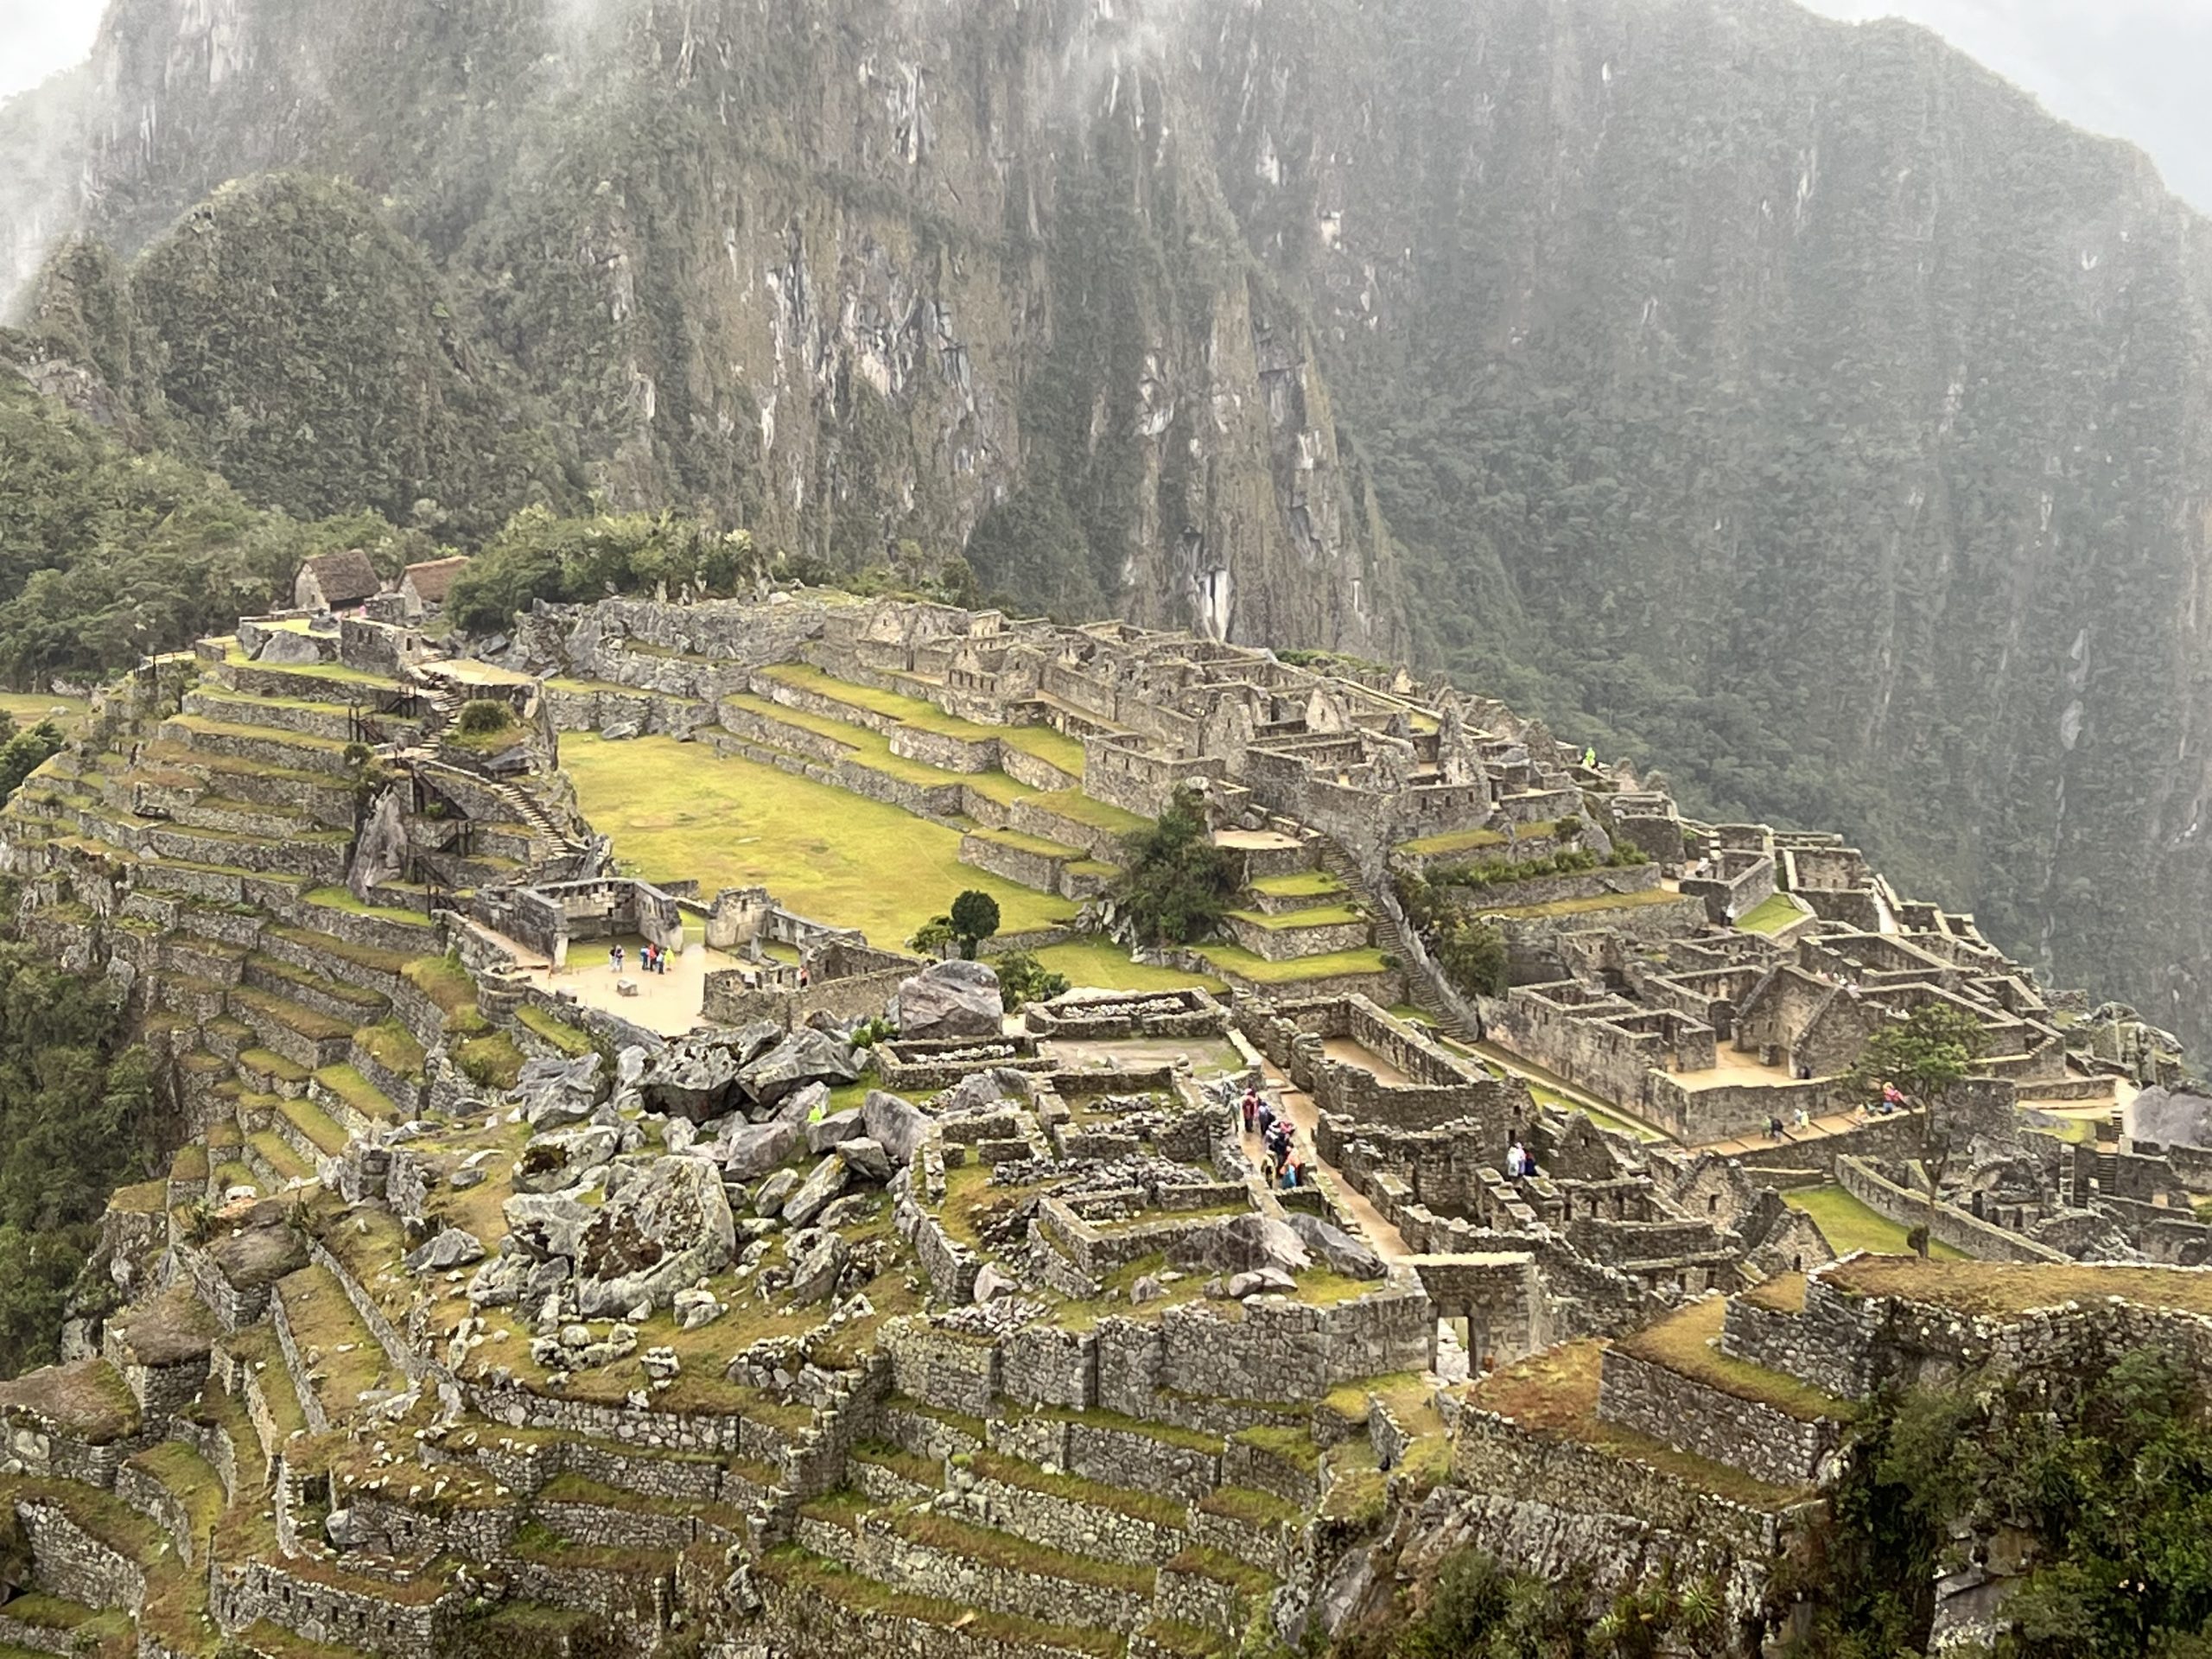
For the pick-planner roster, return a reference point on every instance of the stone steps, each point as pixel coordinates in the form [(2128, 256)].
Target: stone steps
[(176, 764), (308, 1129), (354, 1104), (273, 1160), (266, 1072)]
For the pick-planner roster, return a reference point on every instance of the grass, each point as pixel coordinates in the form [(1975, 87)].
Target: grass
[(357, 1091), (347, 1360), (316, 1125), (1459, 840), (269, 1063), (1253, 1507), (677, 811), (559, 1033), (1849, 1225), (1322, 915), (1778, 912), (872, 749), (1036, 845), (2007, 1289), (1235, 962), (1074, 804), (392, 1046), (1684, 1343), (492, 1062), (27, 708), (1307, 884), (444, 981), (1555, 1393), (1102, 965), (339, 899)]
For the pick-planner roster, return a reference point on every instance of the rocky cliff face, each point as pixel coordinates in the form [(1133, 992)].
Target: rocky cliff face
[(1794, 406)]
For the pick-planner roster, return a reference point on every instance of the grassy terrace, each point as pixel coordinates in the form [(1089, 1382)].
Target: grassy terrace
[(1849, 1225), (677, 811), (2006, 1290), (1772, 917), (1056, 748), (1555, 1393), (831, 1581), (1307, 884), (1684, 1342), (1074, 804), (339, 899), (1459, 840), (1232, 962), (1095, 962), (1580, 907), (872, 749), (1322, 915)]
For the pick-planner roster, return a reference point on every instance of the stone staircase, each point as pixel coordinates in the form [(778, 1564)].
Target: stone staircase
[(1424, 986)]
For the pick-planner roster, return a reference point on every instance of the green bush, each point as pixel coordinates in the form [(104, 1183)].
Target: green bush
[(483, 717), (975, 917), (1023, 979), (1473, 956)]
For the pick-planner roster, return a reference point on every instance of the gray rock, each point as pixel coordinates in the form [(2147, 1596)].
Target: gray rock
[(694, 1308), (619, 731), (551, 1163), (343, 1527), (1266, 1279), (747, 1151), (545, 1224), (1251, 1243), (804, 1105), (662, 1233), (851, 1210), (554, 1094), (768, 1199), (866, 1159), (451, 1248), (825, 1181), (838, 1127), (951, 999), (991, 1284), (803, 1057), (895, 1123), (1147, 1289), (981, 1089), (817, 1258), (1344, 1253), (697, 1078)]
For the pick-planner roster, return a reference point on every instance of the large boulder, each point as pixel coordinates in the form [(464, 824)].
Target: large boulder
[(1344, 1253), (1253, 1243), (824, 1182), (816, 1259), (449, 1249), (697, 1078), (981, 1089), (554, 1094), (545, 1224), (866, 1159), (664, 1230), (552, 1163), (836, 1128), (749, 1150), (951, 999), (894, 1123), (803, 1057)]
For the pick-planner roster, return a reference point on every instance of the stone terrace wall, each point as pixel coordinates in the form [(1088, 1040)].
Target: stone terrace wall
[(1766, 1444), (1947, 1223)]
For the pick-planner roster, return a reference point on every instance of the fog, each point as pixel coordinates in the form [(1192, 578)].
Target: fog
[(2132, 69), (38, 37)]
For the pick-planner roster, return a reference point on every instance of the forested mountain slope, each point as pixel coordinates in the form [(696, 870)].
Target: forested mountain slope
[(1794, 406)]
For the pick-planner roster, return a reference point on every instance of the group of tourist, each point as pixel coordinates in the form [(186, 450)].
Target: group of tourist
[(1282, 1166), (652, 959), (1520, 1163)]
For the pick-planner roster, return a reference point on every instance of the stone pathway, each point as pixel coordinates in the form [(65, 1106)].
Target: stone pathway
[(1385, 1240)]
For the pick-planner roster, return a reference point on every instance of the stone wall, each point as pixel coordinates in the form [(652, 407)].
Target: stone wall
[(1690, 1416), (1947, 1223), (70, 1562)]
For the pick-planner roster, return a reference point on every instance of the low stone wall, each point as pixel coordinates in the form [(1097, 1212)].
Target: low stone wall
[(814, 1623), (70, 1562), (1295, 944), (1025, 867), (947, 1575), (1947, 1223), (244, 1595), (1766, 1444)]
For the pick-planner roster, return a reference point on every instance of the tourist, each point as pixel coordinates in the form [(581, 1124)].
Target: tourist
[(1804, 1120), (1774, 1131), (1267, 1119), (1251, 1108), (1893, 1098), (1516, 1162), (615, 956)]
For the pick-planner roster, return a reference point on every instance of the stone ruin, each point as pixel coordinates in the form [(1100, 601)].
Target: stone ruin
[(851, 1312)]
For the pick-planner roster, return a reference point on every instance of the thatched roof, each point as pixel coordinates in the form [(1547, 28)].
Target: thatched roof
[(433, 581), (345, 578)]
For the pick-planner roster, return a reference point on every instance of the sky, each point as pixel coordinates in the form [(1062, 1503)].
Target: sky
[(2132, 68), (39, 36)]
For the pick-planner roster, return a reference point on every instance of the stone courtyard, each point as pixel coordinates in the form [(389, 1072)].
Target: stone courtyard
[(807, 1297)]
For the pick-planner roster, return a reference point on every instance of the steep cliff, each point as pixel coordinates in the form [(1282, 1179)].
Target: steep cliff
[(1794, 406)]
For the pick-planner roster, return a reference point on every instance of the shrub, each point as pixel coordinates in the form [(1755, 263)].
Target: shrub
[(483, 717), (1473, 956), (931, 937), (1023, 979)]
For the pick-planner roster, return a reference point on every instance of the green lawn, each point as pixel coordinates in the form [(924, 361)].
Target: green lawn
[(1229, 959), (1324, 916), (1850, 1225), (27, 708), (1099, 815), (1104, 966), (1459, 840), (1307, 884), (677, 811), (1772, 917), (1057, 748)]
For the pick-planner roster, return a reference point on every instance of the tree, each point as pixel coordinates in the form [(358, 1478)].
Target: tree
[(1473, 956), (1927, 1054), (1178, 883), (1023, 979), (931, 937), (975, 918)]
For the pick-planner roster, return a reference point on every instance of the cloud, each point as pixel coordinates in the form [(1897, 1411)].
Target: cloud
[(38, 37)]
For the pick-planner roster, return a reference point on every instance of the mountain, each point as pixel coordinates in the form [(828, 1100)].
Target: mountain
[(1794, 406)]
